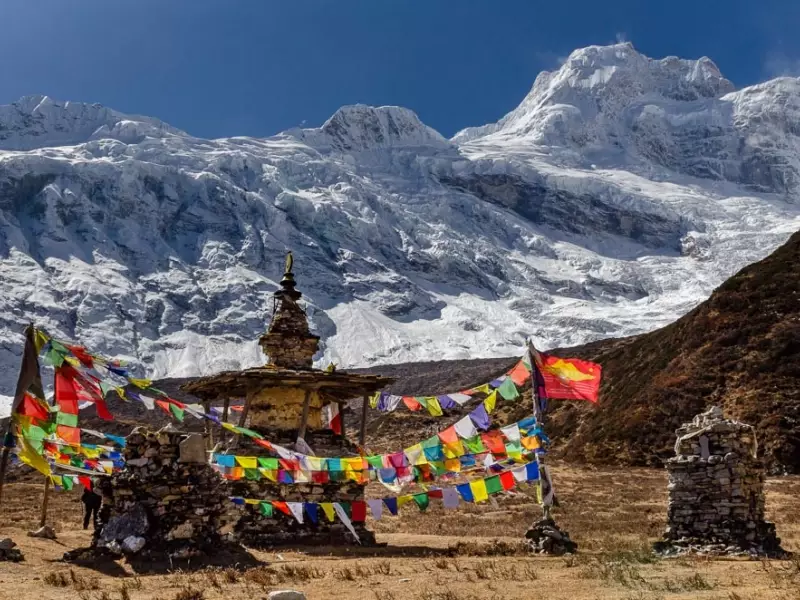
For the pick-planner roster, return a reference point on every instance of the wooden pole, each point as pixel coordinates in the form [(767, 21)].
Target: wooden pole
[(45, 500), (301, 433), (207, 430), (28, 374), (341, 417), (362, 435), (245, 410)]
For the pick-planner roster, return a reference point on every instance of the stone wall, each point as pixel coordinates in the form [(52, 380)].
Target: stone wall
[(716, 491), (167, 500), (282, 408)]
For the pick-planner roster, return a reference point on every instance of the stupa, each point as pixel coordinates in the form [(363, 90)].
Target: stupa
[(285, 401)]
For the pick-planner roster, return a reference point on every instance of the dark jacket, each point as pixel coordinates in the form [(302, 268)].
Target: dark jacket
[(91, 500)]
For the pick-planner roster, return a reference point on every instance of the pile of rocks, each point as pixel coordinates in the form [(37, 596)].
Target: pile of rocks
[(167, 501), (545, 537), (9, 551), (716, 491)]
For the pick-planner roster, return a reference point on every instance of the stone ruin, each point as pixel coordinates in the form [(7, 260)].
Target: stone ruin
[(166, 502), (716, 491)]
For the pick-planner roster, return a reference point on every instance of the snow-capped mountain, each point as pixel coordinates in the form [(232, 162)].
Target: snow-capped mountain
[(611, 201)]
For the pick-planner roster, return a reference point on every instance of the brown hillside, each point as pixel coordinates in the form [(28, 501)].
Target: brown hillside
[(740, 349)]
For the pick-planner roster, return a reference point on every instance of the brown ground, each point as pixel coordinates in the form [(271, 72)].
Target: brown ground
[(613, 514)]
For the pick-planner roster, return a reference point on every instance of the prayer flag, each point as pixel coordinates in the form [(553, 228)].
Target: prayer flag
[(311, 509), (412, 403), (333, 419), (465, 491), (490, 402), (493, 485), (391, 505), (507, 390), (450, 498), (566, 378), (465, 428), (359, 509), (478, 488), (345, 519), (432, 404), (480, 417), (265, 508), (422, 500), (507, 480), (327, 508), (376, 508), (296, 508)]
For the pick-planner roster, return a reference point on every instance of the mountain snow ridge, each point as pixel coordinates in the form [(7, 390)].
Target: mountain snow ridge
[(611, 201)]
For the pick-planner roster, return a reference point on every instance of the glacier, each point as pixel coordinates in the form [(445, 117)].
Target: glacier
[(612, 200)]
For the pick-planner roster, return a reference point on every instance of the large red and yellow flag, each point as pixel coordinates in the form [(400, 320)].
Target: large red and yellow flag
[(566, 378)]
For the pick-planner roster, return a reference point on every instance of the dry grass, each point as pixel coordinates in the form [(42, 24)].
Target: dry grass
[(473, 553)]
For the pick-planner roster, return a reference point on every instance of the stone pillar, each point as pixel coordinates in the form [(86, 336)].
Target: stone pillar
[(716, 491), (167, 501)]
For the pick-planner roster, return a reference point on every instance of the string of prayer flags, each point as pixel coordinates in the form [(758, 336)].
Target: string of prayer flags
[(506, 387)]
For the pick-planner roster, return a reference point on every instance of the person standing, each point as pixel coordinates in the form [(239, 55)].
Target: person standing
[(91, 504)]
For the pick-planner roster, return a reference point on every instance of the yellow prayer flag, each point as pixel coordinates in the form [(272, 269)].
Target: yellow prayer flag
[(30, 457), (490, 402), (531, 442), (247, 462), (229, 427), (329, 511), (404, 500), (433, 406), (72, 361), (40, 341), (453, 450), (270, 474), (478, 488), (373, 400), (482, 389), (453, 465), (140, 383), (537, 490), (251, 501)]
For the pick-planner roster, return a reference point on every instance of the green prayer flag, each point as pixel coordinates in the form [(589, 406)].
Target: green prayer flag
[(106, 387), (270, 464), (53, 358), (508, 390), (475, 444), (493, 485), (437, 467), (266, 509), (63, 418), (431, 442), (375, 461), (177, 411), (66, 482), (252, 474), (513, 447), (422, 500), (249, 433)]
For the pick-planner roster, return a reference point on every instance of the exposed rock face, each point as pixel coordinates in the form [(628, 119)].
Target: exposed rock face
[(716, 491), (162, 506)]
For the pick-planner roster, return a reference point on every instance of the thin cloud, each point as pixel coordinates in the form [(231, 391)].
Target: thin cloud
[(779, 64)]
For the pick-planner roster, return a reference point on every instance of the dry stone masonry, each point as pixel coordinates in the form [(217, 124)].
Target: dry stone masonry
[(168, 501), (716, 491)]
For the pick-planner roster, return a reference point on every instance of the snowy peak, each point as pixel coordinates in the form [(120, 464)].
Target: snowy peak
[(359, 127), (596, 85), (40, 122)]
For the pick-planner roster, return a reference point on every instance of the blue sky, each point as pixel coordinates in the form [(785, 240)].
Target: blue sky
[(256, 67)]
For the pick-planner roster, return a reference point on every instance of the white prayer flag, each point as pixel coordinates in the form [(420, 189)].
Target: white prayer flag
[(297, 510), (346, 520), (376, 507), (465, 428), (511, 432)]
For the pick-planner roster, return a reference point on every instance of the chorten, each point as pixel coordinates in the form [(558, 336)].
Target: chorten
[(285, 401)]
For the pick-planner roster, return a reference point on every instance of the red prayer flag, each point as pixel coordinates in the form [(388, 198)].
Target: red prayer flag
[(493, 440), (449, 435), (85, 482), (359, 509), (519, 374), (66, 393), (71, 435), (32, 407), (283, 507), (411, 403), (566, 378), (507, 480)]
